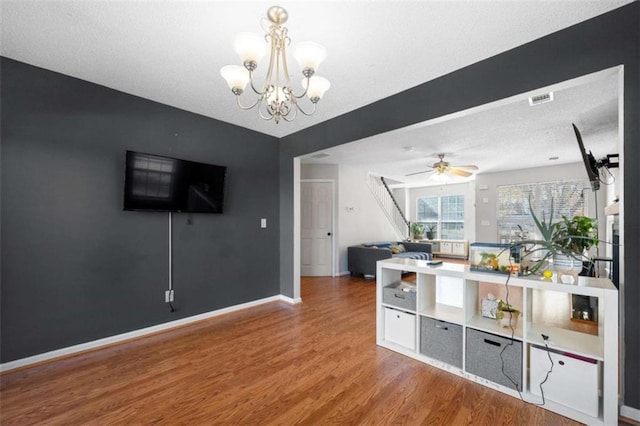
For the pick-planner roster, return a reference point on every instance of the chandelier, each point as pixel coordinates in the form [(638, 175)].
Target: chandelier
[(276, 98)]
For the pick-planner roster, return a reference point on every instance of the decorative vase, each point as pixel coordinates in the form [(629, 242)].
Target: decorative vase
[(567, 268)]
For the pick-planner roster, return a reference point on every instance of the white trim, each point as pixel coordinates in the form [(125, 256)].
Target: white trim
[(95, 344), (622, 286), (296, 228), (343, 273), (334, 232), (630, 413), (290, 300), (334, 218)]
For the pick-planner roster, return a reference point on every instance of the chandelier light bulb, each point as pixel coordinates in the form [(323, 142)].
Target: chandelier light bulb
[(236, 76), (317, 86), (250, 47), (309, 55)]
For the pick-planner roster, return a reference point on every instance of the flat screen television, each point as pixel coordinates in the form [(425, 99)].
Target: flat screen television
[(156, 183), (590, 163)]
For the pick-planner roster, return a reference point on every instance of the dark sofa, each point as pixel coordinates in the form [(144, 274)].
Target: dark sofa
[(362, 258)]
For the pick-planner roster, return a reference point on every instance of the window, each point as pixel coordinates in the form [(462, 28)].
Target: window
[(513, 206), (445, 214)]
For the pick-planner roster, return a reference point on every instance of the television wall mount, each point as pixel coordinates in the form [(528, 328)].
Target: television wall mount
[(610, 162)]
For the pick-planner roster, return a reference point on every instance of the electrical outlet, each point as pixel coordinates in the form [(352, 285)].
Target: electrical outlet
[(168, 296)]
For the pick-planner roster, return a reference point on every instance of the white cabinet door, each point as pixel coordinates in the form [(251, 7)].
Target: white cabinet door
[(459, 249), (446, 247), (574, 381), (400, 328)]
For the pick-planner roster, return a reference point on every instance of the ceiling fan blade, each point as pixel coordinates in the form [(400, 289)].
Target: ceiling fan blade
[(471, 167), (417, 173), (457, 172)]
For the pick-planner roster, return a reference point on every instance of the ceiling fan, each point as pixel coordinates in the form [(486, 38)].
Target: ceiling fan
[(442, 167)]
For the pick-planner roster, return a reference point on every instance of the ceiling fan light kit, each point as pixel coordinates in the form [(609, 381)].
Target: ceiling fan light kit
[(276, 98), (445, 168)]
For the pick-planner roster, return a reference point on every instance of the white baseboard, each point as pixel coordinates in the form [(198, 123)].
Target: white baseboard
[(343, 273), (290, 300), (630, 413), (95, 344)]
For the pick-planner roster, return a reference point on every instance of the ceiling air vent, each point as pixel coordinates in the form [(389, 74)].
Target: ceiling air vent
[(320, 155), (541, 99)]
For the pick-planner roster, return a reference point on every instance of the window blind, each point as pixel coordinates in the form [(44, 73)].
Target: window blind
[(513, 206)]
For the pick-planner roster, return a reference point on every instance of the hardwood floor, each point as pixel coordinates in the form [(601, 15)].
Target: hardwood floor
[(313, 363)]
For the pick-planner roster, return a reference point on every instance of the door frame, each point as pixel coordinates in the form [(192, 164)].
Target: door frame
[(333, 221)]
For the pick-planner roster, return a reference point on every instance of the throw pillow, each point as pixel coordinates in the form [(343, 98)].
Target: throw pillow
[(397, 248)]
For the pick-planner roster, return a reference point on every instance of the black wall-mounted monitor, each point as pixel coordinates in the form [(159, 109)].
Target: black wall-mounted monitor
[(590, 163), (157, 183)]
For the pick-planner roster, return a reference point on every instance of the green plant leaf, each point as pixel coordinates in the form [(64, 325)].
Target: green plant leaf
[(570, 237)]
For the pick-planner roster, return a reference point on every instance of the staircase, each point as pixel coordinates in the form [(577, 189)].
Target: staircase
[(384, 197)]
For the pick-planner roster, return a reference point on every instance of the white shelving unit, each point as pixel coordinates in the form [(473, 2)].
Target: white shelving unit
[(527, 335), (449, 248)]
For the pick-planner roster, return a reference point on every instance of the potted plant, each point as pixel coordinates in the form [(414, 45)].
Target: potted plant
[(576, 236), (507, 315), (418, 230), (563, 245), (431, 232), (579, 233)]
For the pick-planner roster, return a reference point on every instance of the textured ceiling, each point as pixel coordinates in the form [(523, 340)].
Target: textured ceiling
[(171, 51), (505, 135)]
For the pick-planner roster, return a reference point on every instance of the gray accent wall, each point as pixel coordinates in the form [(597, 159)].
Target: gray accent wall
[(603, 42), (75, 266)]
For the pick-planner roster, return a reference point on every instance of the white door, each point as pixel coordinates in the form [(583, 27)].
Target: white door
[(316, 228)]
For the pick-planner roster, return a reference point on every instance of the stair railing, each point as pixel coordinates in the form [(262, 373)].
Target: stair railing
[(383, 195)]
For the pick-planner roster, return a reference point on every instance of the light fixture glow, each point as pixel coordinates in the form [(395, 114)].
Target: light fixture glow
[(440, 177), (309, 55), (237, 77), (250, 47), (276, 99), (317, 87)]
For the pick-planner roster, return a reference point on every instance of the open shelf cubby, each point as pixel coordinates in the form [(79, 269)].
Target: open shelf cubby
[(447, 330), (440, 297)]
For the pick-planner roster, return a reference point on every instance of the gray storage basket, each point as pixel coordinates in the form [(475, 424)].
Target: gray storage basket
[(401, 294), (441, 340), (483, 358)]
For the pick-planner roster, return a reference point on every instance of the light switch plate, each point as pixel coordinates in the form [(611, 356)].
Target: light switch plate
[(263, 223)]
